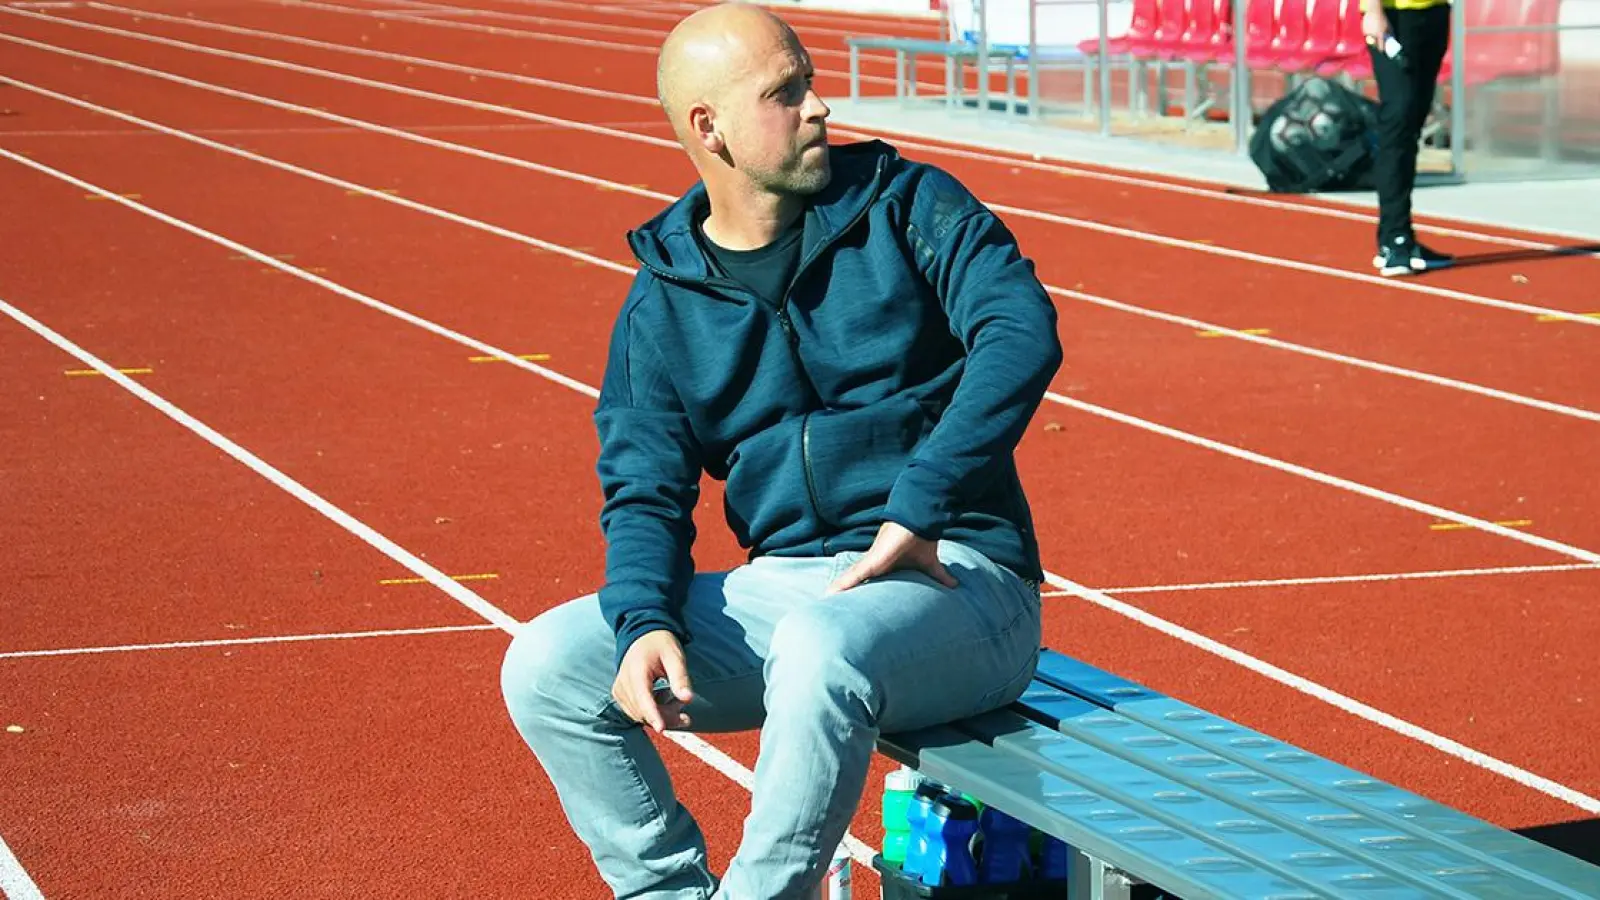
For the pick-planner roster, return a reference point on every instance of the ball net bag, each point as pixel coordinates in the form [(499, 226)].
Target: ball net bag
[(1320, 136)]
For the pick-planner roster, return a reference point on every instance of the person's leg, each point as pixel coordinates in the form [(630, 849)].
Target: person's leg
[(1391, 176), (893, 654), (1424, 36), (608, 777), (1425, 33)]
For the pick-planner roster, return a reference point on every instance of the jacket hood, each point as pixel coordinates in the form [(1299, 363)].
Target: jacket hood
[(666, 244)]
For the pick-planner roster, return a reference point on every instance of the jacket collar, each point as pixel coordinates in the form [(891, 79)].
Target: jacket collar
[(666, 244)]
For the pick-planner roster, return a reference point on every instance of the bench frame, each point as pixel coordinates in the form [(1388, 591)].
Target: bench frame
[(955, 53), (1147, 790)]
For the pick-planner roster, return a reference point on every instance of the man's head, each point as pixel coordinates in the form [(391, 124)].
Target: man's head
[(736, 85)]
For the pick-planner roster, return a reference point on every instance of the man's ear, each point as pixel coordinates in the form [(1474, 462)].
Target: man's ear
[(703, 128)]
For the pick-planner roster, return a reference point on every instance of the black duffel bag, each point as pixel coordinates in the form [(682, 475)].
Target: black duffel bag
[(1320, 136)]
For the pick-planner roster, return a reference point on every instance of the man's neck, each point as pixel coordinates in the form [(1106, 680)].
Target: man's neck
[(749, 221)]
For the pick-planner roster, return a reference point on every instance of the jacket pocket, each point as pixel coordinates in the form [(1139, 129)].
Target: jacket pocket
[(852, 457)]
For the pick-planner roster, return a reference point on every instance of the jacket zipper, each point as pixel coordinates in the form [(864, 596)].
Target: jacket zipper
[(792, 337)]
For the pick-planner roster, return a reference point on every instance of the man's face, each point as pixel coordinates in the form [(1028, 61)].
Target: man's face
[(774, 123)]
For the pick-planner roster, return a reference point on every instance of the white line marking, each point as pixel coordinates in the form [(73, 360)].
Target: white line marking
[(329, 179), (698, 746), (305, 70), (1356, 361), (463, 595), (1294, 264), (1218, 191), (307, 130), (236, 642), (1339, 579), (15, 883), (655, 35), (381, 54), (1187, 322), (1332, 698), (1332, 480), (385, 546), (1054, 218), (427, 17), (349, 293)]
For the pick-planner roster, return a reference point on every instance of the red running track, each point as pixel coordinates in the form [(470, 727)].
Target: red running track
[(369, 764)]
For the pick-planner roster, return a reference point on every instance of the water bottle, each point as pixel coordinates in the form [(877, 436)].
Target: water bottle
[(917, 813), (836, 882), (1053, 859), (1005, 848), (898, 788), (951, 826)]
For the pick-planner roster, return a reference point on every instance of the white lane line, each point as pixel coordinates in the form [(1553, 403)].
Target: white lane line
[(457, 590), (1356, 361), (1407, 285), (1331, 697), (1338, 579), (655, 35), (304, 70), (240, 642), (465, 596), (15, 883), (308, 130), (1346, 484), (361, 189), (381, 54), (1197, 324)]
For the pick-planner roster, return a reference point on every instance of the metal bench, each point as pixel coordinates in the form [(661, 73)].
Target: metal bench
[(1150, 791), (955, 53)]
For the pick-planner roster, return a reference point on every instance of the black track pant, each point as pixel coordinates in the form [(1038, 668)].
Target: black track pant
[(1405, 95)]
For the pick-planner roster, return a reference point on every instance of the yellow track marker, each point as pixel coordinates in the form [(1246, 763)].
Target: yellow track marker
[(78, 373), (530, 357), (123, 196), (1462, 526), (1211, 334), (487, 576), (240, 257), (1587, 315)]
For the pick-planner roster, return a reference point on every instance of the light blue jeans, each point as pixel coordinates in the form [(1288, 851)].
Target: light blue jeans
[(821, 676)]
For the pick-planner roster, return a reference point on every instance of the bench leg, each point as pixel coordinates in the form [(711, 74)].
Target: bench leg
[(911, 77), (855, 72), (900, 75), (1090, 879), (1011, 85)]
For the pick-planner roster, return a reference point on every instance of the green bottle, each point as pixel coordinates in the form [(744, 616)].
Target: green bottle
[(898, 788)]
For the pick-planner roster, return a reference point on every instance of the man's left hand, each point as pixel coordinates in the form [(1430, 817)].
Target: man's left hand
[(895, 548)]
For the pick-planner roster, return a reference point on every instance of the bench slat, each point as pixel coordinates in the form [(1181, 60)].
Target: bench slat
[(1260, 841), (1385, 844), (1557, 874), (1089, 820)]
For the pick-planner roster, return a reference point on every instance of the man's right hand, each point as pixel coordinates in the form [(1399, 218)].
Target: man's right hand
[(654, 656), (1374, 24)]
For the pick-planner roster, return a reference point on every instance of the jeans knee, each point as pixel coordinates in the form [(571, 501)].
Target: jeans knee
[(554, 662)]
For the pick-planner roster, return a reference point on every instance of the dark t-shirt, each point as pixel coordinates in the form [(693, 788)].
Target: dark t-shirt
[(765, 270)]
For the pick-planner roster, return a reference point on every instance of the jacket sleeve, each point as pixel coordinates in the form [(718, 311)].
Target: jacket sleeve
[(649, 467), (1004, 318)]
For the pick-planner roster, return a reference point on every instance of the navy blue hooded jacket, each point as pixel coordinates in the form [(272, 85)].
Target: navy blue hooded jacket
[(893, 383)]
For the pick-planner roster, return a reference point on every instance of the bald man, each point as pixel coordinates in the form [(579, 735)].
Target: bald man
[(853, 344)]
